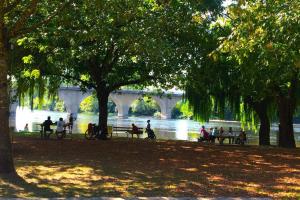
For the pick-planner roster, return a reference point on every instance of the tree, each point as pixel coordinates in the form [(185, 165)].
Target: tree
[(266, 35), (145, 106), (17, 18), (216, 84), (119, 43)]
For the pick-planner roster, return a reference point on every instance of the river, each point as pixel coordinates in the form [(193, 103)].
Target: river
[(164, 129)]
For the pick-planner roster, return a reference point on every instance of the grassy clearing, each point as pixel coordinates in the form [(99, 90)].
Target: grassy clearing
[(121, 167)]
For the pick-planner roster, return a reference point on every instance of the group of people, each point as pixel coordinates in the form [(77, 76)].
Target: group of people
[(215, 133), (149, 131), (60, 125)]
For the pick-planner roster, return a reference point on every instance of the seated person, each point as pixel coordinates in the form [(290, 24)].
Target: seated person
[(242, 138), (46, 126), (26, 129), (211, 134), (135, 129), (61, 126), (90, 128), (230, 136), (221, 134), (215, 133), (205, 135)]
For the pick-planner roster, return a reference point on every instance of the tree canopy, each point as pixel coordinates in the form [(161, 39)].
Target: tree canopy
[(120, 43), (256, 64)]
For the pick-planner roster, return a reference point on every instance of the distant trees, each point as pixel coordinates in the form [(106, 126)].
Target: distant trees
[(144, 106)]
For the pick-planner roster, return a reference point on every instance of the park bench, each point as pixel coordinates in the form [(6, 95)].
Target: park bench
[(47, 134), (231, 138), (127, 130)]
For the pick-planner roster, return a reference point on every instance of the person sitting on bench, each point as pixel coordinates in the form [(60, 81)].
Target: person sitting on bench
[(46, 127), (61, 125), (204, 135), (242, 138), (135, 129)]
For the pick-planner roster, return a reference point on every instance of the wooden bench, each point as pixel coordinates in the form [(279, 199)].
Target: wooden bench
[(127, 130), (231, 138)]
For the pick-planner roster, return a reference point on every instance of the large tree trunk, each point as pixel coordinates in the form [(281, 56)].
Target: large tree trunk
[(261, 108), (286, 108), (6, 158), (264, 129), (102, 96)]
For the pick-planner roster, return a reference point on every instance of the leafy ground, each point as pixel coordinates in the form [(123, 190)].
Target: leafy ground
[(121, 167)]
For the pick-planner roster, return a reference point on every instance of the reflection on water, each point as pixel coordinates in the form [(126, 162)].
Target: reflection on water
[(164, 129)]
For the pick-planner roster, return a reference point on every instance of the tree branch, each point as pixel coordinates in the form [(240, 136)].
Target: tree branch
[(22, 30), (87, 84), (11, 6), (131, 82), (31, 8)]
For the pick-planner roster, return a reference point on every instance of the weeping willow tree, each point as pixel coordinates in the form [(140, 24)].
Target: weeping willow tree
[(216, 82), (27, 63), (265, 44), (205, 103)]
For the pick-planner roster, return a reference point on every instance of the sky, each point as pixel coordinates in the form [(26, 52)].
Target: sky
[(227, 2)]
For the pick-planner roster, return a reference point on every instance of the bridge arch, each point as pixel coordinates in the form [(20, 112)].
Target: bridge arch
[(123, 103), (145, 103), (166, 105), (96, 107), (73, 96)]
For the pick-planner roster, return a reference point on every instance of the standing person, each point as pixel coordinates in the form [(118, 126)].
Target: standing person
[(149, 131), (71, 122)]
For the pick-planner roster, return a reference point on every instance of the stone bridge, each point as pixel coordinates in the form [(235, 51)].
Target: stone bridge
[(73, 96)]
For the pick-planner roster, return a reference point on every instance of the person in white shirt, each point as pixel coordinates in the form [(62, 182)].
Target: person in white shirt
[(60, 126)]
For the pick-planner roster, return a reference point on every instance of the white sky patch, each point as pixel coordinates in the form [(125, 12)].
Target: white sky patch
[(227, 3)]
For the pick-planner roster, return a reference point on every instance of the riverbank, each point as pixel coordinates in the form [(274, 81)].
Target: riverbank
[(187, 130), (121, 167)]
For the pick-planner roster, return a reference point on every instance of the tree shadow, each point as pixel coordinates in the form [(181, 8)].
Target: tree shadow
[(168, 168), (12, 185)]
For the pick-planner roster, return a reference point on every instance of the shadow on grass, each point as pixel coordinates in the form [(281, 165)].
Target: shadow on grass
[(129, 168), (13, 185)]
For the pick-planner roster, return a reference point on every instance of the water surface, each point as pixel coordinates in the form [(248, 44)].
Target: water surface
[(164, 129)]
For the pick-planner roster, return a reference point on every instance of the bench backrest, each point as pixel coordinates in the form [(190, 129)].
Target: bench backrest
[(123, 128)]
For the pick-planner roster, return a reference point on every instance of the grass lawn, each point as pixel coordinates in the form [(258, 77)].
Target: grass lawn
[(121, 167)]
